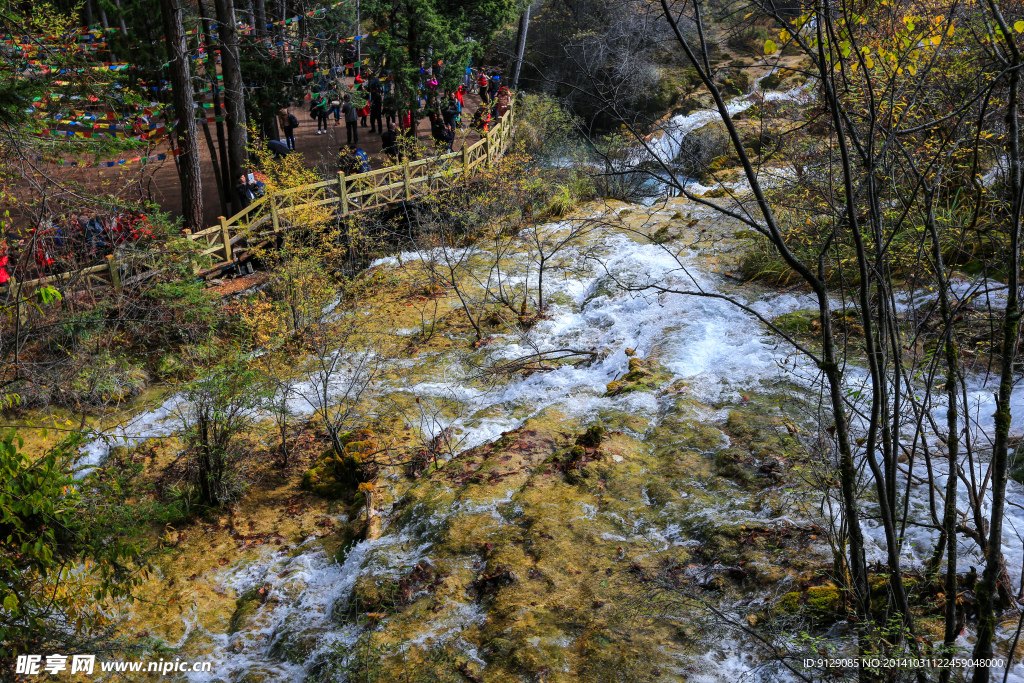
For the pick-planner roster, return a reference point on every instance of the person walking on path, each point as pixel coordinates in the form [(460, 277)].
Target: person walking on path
[(483, 84), (351, 113), (495, 85), (389, 142), (450, 112), (320, 110), (460, 97), (287, 122), (376, 109)]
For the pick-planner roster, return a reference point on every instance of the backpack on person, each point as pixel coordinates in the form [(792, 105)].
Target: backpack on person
[(292, 121)]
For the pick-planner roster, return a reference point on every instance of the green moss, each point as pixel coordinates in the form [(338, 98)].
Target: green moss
[(337, 476), (825, 599), (771, 81), (643, 375), (245, 606), (821, 603), (616, 387), (729, 463), (723, 162), (660, 236)]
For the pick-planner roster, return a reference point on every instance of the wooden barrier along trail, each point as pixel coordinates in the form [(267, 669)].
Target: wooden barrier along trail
[(262, 220)]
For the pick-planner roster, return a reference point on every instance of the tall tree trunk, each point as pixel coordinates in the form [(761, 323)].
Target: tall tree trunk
[(225, 200), (188, 160), (994, 566), (261, 18), (88, 13), (524, 26), (949, 514), (211, 72), (120, 17), (234, 95)]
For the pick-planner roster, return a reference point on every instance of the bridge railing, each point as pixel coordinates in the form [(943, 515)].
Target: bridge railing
[(262, 219), (347, 194)]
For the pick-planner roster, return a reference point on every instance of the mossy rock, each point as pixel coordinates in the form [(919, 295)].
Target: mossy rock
[(682, 430), (821, 603), (729, 463), (295, 646), (643, 375), (335, 476), (501, 646), (171, 366), (660, 236), (245, 606), (723, 162), (716, 193), (747, 425), (799, 322), (617, 387), (772, 81), (759, 433), (605, 286), (373, 594)]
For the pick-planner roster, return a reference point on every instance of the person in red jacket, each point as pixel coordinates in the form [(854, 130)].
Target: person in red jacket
[(483, 83), (460, 95)]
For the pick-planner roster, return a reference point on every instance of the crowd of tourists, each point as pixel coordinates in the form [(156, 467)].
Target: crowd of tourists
[(373, 103), (66, 242)]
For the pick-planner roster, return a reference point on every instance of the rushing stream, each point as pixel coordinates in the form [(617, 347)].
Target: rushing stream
[(720, 353)]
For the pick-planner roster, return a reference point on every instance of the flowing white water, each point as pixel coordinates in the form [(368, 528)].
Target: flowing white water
[(721, 350), (666, 145)]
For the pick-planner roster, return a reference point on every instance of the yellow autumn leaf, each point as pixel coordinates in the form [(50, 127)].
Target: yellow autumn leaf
[(770, 47), (1019, 27)]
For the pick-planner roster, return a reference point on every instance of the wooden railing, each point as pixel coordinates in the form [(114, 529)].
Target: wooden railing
[(262, 220)]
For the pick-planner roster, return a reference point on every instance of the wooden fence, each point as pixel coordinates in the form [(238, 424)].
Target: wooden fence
[(261, 221)]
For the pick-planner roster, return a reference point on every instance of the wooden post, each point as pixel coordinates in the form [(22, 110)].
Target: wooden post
[(343, 193), (225, 237), (487, 148), (190, 238), (405, 173), (275, 221), (115, 276), (465, 158)]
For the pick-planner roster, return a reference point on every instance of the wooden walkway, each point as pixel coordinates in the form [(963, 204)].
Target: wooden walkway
[(261, 222)]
